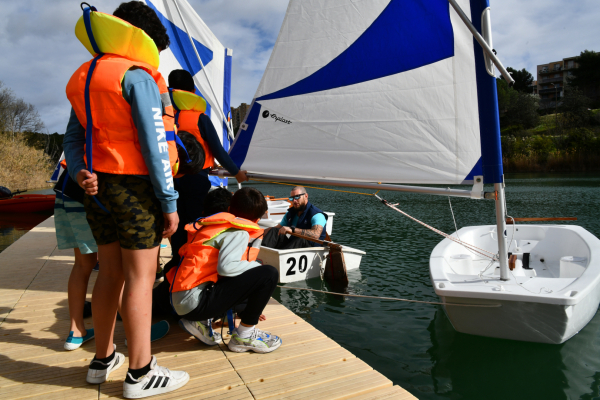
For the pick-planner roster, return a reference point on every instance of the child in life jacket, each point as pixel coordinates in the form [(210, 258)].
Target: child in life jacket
[(219, 271)]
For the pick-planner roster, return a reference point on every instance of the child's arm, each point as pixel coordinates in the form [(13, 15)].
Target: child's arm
[(232, 245)]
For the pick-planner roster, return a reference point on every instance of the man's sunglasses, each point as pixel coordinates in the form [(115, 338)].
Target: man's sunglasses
[(296, 197)]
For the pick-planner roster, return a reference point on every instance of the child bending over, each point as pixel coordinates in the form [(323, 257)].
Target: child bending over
[(219, 271)]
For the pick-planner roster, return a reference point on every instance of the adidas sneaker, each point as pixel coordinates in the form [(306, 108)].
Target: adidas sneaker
[(158, 381), (98, 371)]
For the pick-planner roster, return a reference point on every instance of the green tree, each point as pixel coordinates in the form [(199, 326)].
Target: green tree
[(586, 76), (574, 109), (523, 80), (516, 108)]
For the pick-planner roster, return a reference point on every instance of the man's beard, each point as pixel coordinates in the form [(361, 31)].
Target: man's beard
[(300, 208)]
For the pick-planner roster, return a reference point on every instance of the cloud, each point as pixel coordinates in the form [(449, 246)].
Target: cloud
[(40, 52)]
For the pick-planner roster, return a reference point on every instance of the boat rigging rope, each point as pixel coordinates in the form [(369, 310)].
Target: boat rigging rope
[(392, 298), (469, 246)]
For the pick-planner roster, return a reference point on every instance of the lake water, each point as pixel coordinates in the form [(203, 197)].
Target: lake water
[(415, 345), (15, 225)]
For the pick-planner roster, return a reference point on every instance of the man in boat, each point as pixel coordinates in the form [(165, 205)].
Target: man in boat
[(302, 218), (131, 202), (219, 271), (193, 188)]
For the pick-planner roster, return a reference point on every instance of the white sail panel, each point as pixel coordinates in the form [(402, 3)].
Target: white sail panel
[(397, 104), (214, 82)]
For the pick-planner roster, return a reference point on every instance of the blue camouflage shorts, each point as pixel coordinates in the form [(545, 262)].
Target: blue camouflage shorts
[(72, 228)]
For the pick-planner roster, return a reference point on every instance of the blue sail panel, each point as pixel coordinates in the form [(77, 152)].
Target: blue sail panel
[(181, 47), (408, 34)]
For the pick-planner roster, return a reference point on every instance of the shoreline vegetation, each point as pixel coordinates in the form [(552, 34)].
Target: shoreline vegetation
[(552, 147), (22, 165)]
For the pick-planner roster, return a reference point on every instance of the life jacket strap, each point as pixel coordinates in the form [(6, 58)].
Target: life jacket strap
[(88, 108)]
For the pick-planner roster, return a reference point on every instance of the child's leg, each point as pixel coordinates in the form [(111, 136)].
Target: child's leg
[(105, 298), (77, 289), (139, 268), (256, 285)]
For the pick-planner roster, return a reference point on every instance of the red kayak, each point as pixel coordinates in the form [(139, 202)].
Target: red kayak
[(26, 203)]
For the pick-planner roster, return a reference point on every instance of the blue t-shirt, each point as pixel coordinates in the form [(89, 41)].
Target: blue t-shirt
[(141, 92), (317, 219)]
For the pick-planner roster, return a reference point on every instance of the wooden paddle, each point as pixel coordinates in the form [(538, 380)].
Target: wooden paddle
[(510, 220)]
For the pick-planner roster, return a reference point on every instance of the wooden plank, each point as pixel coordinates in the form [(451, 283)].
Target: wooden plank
[(293, 365), (89, 392), (285, 384), (242, 360), (343, 388), (389, 393)]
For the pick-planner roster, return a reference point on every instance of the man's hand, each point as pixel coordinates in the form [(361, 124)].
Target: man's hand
[(285, 230), (171, 222), (241, 176), (88, 182)]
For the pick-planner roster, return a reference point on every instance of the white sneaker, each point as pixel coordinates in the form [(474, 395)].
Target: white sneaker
[(159, 380), (259, 342), (98, 372), (201, 332)]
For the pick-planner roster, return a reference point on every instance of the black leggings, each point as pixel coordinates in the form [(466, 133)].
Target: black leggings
[(255, 285)]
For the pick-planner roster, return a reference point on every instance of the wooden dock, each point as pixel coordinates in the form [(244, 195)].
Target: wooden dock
[(34, 323)]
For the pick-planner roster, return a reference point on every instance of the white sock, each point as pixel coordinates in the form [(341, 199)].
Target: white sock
[(245, 331)]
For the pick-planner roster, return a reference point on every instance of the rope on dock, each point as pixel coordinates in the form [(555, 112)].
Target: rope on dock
[(393, 298)]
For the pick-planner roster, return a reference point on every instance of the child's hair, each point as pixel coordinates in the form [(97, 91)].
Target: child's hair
[(217, 201), (141, 16), (248, 203), (182, 80), (194, 150)]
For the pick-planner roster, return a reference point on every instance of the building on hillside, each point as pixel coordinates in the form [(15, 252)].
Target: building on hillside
[(551, 80), (237, 116)]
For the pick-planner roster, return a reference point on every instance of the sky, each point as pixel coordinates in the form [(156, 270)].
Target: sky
[(39, 51)]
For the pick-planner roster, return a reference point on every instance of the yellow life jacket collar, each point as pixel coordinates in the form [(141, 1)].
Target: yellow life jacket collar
[(116, 36), (188, 101)]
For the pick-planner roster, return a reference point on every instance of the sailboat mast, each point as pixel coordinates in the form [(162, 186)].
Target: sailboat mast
[(501, 229)]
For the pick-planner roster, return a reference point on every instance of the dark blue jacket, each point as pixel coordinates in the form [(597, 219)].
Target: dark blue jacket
[(304, 220)]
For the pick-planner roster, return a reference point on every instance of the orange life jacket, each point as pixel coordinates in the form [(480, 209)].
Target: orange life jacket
[(116, 148), (189, 106), (199, 261)]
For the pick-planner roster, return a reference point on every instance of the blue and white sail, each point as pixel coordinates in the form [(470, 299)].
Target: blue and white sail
[(209, 63), (58, 170), (390, 91)]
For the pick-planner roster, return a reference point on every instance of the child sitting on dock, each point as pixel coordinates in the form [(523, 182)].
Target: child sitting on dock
[(219, 271)]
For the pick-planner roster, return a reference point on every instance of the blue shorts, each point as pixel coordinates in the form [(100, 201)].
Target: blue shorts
[(72, 228)]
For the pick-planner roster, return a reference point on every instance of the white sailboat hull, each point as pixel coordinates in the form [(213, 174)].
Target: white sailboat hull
[(548, 303), (300, 264)]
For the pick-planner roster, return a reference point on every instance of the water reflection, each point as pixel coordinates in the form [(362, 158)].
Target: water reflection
[(13, 226)]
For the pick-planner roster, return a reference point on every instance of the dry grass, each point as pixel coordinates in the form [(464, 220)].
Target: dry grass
[(558, 161), (21, 166)]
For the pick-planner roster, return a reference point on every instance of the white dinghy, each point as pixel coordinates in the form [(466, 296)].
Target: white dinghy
[(300, 264), (375, 94), (552, 291)]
